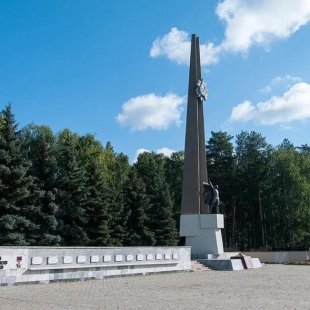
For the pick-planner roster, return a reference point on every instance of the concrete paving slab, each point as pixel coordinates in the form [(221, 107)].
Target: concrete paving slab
[(272, 287)]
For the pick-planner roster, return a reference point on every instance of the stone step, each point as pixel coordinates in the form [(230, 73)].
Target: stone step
[(196, 266)]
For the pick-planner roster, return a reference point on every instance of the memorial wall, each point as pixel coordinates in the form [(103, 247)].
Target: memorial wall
[(45, 264)]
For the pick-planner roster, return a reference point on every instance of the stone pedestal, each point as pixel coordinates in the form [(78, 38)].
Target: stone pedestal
[(203, 233)]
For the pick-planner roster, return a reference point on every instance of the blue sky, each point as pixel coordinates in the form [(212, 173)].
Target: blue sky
[(119, 69)]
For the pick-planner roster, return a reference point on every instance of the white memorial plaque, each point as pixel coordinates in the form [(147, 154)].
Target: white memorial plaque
[(36, 260), (140, 257), (107, 258), (81, 259), (175, 256), (118, 258), (52, 260), (149, 256), (129, 258), (94, 259), (158, 256), (167, 256), (67, 259)]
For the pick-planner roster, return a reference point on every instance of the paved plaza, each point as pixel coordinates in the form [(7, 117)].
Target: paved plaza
[(271, 287)]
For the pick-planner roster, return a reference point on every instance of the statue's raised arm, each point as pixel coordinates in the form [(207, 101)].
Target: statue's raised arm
[(211, 196)]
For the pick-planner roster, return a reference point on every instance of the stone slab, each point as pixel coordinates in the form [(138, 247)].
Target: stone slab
[(67, 259), (149, 256), (256, 263), (107, 258), (248, 262), (94, 259), (129, 258), (81, 259), (53, 260), (36, 260)]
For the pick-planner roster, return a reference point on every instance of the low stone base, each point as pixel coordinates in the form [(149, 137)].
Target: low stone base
[(229, 264), (209, 256), (203, 233)]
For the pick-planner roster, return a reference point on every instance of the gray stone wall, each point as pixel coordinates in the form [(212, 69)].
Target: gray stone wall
[(44, 264)]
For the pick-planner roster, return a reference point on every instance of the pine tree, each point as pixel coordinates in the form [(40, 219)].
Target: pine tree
[(16, 208), (288, 218), (74, 194), (221, 171), (252, 169)]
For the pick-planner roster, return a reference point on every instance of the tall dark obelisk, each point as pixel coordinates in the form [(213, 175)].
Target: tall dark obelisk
[(202, 231), (195, 168)]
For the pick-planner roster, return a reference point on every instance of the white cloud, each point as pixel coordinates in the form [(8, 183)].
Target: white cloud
[(258, 22), (176, 46), (247, 23), (151, 112), (287, 80), (243, 111), (138, 152), (265, 90), (294, 105), (165, 151), (285, 127)]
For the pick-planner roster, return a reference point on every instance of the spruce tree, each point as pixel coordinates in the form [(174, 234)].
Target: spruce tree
[(90, 153), (44, 169), (97, 212), (114, 197), (174, 176), (73, 196), (160, 220), (16, 208), (137, 204)]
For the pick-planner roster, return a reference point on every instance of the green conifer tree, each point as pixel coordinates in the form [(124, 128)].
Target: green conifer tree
[(16, 209), (90, 153), (222, 171), (137, 204), (174, 176), (44, 169), (97, 212), (114, 197), (74, 194), (160, 220)]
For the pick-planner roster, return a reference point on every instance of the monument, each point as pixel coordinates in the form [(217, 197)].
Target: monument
[(201, 229), (200, 221)]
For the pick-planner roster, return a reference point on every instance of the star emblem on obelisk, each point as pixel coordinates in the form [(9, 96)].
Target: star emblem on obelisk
[(201, 90)]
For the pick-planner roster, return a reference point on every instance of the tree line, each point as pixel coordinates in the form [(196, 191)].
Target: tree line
[(70, 190)]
